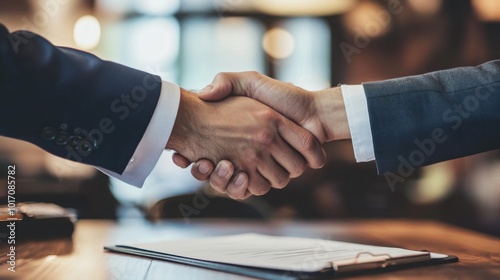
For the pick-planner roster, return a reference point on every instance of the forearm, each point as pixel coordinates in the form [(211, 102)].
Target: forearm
[(424, 119)]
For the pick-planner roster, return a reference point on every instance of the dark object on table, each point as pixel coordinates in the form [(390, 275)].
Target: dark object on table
[(36, 221)]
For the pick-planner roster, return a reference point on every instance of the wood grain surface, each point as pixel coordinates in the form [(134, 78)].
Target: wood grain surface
[(83, 257)]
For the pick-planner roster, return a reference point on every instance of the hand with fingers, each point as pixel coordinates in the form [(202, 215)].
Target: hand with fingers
[(256, 147), (322, 113)]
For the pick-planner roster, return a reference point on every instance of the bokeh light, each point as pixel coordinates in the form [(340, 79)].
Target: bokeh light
[(426, 7), (87, 32), (278, 43)]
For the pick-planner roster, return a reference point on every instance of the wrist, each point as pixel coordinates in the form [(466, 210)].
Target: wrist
[(187, 125), (331, 112)]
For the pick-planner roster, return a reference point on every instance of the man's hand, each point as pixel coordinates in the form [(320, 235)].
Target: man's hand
[(254, 138), (314, 111), (321, 112)]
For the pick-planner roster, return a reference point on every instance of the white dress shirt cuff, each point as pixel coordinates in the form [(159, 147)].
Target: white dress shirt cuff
[(358, 118), (154, 140)]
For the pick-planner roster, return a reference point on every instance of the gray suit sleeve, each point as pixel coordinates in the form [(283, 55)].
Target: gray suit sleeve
[(420, 120)]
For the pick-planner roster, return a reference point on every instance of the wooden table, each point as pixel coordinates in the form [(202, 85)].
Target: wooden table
[(83, 257)]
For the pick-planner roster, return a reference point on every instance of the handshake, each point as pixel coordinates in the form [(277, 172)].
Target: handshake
[(247, 132)]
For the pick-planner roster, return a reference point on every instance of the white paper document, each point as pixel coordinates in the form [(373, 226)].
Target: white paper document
[(282, 253)]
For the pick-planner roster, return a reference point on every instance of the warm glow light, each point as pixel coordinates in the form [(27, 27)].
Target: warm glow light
[(426, 7), (51, 258), (368, 19), (87, 32), (303, 8), (278, 43), (437, 182), (487, 10)]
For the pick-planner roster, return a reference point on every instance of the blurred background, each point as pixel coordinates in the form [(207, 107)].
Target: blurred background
[(314, 44)]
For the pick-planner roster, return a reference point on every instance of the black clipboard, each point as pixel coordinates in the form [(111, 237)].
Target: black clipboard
[(335, 271)]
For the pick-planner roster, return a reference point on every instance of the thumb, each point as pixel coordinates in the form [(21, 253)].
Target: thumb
[(225, 84), (209, 93)]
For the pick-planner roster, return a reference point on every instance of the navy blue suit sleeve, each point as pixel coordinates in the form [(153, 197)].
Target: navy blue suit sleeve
[(71, 103), (420, 120)]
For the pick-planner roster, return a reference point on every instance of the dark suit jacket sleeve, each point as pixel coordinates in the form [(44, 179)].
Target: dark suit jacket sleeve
[(429, 118), (71, 103)]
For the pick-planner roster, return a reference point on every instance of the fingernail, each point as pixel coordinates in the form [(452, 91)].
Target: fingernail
[(239, 180), (222, 171), (203, 169), (174, 159), (207, 89)]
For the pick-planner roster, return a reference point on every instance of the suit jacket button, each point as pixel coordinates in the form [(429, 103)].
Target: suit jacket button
[(62, 138), (85, 147), (63, 126), (49, 133), (73, 141)]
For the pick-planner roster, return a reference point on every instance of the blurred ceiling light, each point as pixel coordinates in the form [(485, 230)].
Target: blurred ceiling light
[(157, 7), (369, 19), (87, 32), (303, 8), (153, 41), (487, 10), (228, 44), (228, 33), (278, 43), (426, 7), (309, 65)]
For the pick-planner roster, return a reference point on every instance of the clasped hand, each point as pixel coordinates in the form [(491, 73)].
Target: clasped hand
[(254, 146)]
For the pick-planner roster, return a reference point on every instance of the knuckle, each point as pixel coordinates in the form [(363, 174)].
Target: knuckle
[(254, 74), (220, 75), (271, 116), (264, 137)]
